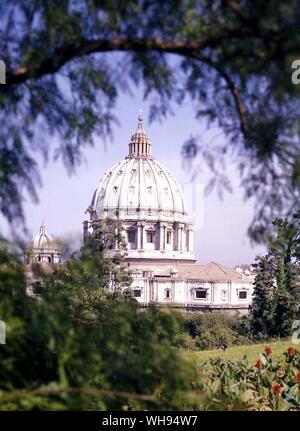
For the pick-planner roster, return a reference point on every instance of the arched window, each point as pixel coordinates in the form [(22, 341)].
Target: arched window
[(49, 259), (167, 293)]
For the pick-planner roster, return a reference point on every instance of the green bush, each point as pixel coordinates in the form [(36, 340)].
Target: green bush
[(211, 330), (184, 341), (82, 347)]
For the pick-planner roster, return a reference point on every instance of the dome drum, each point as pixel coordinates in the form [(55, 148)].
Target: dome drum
[(148, 239)]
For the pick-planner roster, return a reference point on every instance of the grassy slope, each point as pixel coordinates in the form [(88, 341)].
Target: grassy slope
[(252, 351)]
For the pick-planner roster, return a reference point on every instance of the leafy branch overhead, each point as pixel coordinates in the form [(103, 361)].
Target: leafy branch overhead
[(68, 61)]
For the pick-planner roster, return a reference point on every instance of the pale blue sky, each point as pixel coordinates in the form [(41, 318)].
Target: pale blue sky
[(63, 199)]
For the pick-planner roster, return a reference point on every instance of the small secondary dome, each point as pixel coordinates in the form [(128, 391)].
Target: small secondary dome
[(43, 248), (43, 240)]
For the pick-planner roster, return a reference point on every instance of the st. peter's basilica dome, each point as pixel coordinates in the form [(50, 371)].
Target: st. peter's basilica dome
[(148, 200)]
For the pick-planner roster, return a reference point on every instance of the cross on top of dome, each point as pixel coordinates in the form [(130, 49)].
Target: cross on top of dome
[(140, 145), (43, 229), (140, 128)]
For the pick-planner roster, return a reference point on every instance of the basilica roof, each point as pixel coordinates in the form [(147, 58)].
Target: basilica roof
[(211, 272)]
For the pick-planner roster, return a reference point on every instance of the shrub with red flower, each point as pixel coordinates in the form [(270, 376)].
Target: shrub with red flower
[(277, 389), (272, 382), (291, 352), (268, 351), (258, 364)]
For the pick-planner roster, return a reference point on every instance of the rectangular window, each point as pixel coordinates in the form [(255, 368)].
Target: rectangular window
[(243, 295), (137, 293), (201, 294), (131, 236), (168, 237), (150, 237)]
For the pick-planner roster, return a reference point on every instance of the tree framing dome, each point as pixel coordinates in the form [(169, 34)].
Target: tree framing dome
[(147, 199)]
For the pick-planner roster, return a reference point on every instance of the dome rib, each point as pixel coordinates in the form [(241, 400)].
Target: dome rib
[(155, 182), (100, 186), (124, 174), (168, 182)]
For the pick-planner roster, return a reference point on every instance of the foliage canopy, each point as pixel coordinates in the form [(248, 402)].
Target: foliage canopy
[(68, 61)]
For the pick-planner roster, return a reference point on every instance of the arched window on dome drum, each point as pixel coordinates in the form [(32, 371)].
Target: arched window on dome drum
[(169, 236), (131, 235)]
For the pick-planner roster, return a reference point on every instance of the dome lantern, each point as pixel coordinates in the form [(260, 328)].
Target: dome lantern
[(140, 145)]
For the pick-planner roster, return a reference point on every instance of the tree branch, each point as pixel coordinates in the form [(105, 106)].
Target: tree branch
[(237, 98), (237, 9), (5, 396), (64, 54), (189, 49), (231, 87)]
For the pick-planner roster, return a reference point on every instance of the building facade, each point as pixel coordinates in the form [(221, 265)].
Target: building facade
[(146, 198)]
